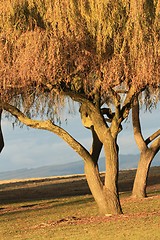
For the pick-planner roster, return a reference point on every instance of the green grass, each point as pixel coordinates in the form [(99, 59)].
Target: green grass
[(76, 218)]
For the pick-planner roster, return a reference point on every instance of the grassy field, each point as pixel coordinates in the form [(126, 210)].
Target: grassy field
[(63, 208)]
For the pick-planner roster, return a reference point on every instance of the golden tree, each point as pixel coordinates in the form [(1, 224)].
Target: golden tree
[(101, 54)]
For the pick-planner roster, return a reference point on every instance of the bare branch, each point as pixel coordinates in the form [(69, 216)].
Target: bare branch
[(128, 102), (96, 146), (155, 145), (123, 91), (132, 93), (116, 97), (152, 137), (137, 127), (50, 126)]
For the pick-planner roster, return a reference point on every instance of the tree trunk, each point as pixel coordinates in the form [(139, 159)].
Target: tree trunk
[(96, 186), (111, 177), (140, 182), (146, 153), (106, 196)]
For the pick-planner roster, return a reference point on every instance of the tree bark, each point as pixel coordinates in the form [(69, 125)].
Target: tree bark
[(111, 176), (140, 182), (147, 154), (106, 195), (1, 135), (108, 137), (96, 187)]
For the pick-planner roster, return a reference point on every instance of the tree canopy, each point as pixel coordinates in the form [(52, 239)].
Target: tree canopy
[(77, 46)]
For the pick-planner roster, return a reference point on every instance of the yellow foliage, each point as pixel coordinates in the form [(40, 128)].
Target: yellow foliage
[(64, 40)]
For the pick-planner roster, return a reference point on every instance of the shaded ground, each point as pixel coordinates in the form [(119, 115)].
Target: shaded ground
[(57, 187)]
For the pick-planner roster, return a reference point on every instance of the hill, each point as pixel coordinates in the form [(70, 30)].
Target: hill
[(126, 162)]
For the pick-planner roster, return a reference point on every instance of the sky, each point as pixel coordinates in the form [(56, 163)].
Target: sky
[(31, 148)]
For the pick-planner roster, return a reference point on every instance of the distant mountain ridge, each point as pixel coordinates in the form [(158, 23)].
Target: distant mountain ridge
[(126, 162)]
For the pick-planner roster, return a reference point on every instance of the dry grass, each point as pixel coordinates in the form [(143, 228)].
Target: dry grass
[(31, 210)]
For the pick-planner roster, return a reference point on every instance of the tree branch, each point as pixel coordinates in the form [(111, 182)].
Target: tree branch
[(128, 102), (123, 91), (48, 125), (96, 118), (108, 112), (96, 146), (116, 97), (137, 127), (152, 137), (155, 147), (1, 135)]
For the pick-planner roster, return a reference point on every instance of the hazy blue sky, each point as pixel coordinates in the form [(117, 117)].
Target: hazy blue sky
[(33, 148)]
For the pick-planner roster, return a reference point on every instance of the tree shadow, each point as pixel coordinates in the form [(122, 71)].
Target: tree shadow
[(54, 188)]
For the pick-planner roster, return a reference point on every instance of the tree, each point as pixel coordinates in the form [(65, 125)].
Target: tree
[(147, 153), (101, 54)]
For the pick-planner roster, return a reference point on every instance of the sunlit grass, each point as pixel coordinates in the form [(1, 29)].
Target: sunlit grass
[(52, 219)]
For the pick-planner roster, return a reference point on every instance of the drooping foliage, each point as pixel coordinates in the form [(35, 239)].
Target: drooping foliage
[(49, 48)]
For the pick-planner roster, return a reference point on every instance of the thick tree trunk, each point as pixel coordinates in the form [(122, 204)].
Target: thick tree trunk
[(111, 177), (96, 187), (140, 182), (146, 153), (106, 195)]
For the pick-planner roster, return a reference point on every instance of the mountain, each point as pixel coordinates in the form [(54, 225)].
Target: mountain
[(126, 162), (129, 161)]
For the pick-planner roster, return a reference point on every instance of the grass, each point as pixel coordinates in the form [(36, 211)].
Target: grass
[(76, 218)]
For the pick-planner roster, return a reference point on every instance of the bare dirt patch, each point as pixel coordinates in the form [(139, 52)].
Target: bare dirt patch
[(73, 220)]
